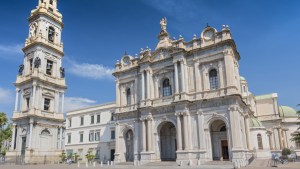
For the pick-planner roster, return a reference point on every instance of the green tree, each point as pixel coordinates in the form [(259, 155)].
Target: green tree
[(296, 137), (3, 120), (3, 133), (90, 156)]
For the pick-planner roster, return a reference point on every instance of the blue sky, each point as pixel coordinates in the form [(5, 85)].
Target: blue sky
[(97, 33)]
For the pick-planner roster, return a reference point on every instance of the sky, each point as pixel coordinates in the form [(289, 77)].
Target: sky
[(98, 32)]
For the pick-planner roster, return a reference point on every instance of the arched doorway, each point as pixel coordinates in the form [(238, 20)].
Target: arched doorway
[(129, 145), (168, 142), (219, 141)]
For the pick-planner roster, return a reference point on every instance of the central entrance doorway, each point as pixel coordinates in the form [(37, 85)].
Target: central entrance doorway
[(168, 142), (129, 145), (219, 142)]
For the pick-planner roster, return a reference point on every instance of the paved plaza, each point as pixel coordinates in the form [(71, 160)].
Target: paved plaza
[(294, 165)]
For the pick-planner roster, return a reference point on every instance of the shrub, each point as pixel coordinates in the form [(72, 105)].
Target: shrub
[(286, 151)]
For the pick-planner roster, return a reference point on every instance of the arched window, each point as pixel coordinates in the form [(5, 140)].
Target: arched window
[(128, 96), (167, 90), (51, 34), (45, 132), (213, 79), (51, 2), (259, 141)]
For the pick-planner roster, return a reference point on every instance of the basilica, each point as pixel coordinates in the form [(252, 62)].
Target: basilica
[(185, 101)]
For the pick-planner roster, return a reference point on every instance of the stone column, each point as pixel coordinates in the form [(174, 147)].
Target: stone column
[(287, 141), (276, 139), (235, 127), (205, 79), (183, 76), (201, 134), (143, 85), (220, 66), (270, 140), (62, 102), (149, 134), (144, 135), (247, 132), (117, 138), (198, 80), (56, 101), (135, 91), (118, 94), (186, 132), (33, 96), (12, 147), (60, 137), (148, 85), (17, 100), (136, 139), (176, 78), (280, 137), (229, 67), (179, 133), (30, 133)]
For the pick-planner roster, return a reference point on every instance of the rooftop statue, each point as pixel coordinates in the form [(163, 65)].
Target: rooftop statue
[(163, 24)]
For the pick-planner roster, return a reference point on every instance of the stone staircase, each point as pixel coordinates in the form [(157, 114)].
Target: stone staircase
[(259, 163), (163, 163)]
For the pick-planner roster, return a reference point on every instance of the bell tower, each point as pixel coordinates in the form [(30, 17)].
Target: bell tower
[(40, 86)]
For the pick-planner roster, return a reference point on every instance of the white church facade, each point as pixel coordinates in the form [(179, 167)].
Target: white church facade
[(183, 102), (186, 101)]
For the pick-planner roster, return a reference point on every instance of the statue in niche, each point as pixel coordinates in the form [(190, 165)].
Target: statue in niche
[(62, 72), (21, 68), (33, 30), (37, 62), (163, 24)]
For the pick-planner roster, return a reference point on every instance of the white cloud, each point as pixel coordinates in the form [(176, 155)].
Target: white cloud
[(6, 51), (6, 96), (73, 103), (87, 70)]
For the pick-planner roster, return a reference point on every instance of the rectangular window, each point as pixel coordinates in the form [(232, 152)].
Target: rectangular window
[(98, 118), (112, 134), (91, 136), (81, 137), (92, 119), (27, 102), (298, 145), (47, 104), (49, 67), (97, 136), (82, 121), (69, 138), (70, 122), (31, 64)]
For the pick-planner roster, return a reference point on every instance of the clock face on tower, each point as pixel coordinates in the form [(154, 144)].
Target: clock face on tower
[(208, 35), (126, 60)]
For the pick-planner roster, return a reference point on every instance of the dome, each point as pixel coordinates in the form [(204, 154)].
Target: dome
[(242, 78), (254, 122), (286, 111)]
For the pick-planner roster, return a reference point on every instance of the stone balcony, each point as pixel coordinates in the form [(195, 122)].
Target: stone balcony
[(38, 113), (37, 74), (39, 39)]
